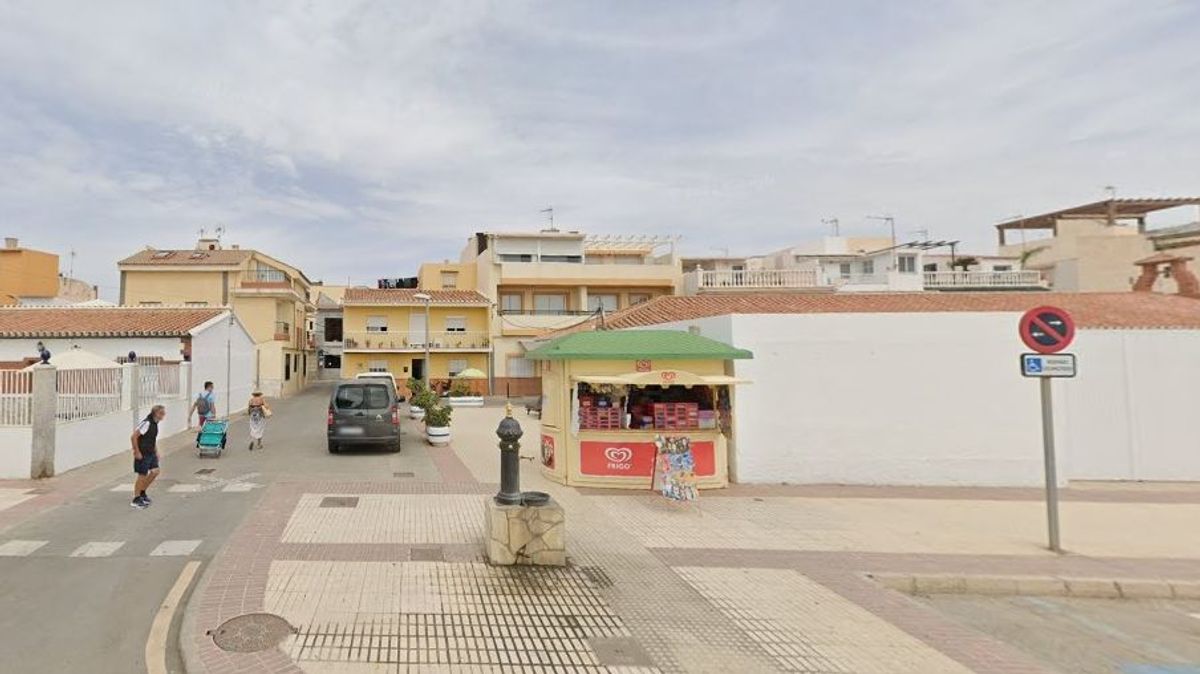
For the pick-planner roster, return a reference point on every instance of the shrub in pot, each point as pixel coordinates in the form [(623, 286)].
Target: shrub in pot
[(437, 424), (461, 395), (420, 402)]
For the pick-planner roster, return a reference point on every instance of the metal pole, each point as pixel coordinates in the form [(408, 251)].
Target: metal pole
[(1051, 470), (228, 366), (428, 364)]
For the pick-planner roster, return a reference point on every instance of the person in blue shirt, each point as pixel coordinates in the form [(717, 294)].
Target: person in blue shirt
[(205, 405)]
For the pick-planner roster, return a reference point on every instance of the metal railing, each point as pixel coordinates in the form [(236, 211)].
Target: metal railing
[(87, 393), (16, 398), (751, 279), (283, 330), (544, 312), (156, 382), (265, 276), (415, 341), (984, 279)]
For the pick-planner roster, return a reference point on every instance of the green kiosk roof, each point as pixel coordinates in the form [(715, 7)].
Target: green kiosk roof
[(635, 345)]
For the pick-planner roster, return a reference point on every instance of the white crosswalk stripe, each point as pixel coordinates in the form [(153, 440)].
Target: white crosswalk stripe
[(19, 548), (97, 549), (174, 548), (127, 488), (240, 487), (185, 488)]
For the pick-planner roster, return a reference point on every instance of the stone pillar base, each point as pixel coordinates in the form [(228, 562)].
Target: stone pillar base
[(535, 535)]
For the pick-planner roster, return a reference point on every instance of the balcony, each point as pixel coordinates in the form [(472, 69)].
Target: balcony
[(649, 274), (750, 280), (984, 280), (401, 341), (283, 331)]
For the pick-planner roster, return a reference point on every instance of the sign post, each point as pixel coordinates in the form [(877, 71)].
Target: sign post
[(1048, 330)]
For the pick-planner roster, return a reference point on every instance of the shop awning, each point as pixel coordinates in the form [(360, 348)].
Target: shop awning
[(660, 378)]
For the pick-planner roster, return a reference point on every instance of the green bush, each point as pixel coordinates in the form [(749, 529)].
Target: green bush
[(416, 385), (425, 399), (460, 389), (438, 415)]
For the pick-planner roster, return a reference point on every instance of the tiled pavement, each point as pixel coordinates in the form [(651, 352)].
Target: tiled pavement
[(387, 576)]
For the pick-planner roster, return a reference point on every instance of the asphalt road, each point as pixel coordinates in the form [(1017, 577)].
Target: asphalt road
[(1096, 636), (64, 613)]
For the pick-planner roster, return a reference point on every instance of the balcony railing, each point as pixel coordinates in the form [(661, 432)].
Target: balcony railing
[(265, 276), (283, 331), (984, 279), (414, 341), (858, 280), (753, 279), (544, 312)]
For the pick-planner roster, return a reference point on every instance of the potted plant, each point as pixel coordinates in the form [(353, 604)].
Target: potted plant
[(421, 401), (461, 395), (437, 424)]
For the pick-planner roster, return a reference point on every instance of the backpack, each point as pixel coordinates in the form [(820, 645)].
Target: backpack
[(203, 404)]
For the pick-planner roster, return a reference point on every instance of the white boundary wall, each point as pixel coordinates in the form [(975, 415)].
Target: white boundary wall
[(208, 363), (938, 399), (79, 443), (16, 452)]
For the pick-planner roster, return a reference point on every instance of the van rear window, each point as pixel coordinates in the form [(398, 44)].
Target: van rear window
[(368, 397)]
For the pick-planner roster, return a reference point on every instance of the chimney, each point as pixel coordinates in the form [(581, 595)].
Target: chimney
[(10, 242), (1186, 283)]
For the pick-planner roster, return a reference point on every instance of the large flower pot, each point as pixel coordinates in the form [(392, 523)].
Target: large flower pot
[(437, 435), (415, 412), (466, 401)]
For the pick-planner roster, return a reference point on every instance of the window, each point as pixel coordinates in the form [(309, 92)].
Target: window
[(638, 298), (377, 366), (562, 258), (511, 302), (549, 304), (333, 329), (1002, 267), (355, 397), (457, 365), (844, 270), (149, 304), (907, 264), (195, 304), (868, 267), (456, 324), (376, 323), (520, 367), (607, 300), (449, 280), (516, 257)]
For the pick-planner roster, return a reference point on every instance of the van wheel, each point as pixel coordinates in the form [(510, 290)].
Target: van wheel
[(333, 448), (395, 448)]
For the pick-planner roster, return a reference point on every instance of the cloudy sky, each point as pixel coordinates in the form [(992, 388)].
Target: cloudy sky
[(358, 138)]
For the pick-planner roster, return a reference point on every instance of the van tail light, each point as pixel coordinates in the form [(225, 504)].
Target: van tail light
[(395, 416), (329, 418)]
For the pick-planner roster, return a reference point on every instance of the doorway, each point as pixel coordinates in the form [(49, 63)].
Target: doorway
[(418, 368)]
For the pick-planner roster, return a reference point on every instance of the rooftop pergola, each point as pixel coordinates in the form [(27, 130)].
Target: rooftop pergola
[(1111, 210)]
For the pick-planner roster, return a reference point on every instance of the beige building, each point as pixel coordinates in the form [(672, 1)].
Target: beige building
[(269, 297), (540, 281), (31, 277), (1093, 247)]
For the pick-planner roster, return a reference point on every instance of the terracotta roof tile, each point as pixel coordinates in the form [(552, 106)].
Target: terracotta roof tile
[(408, 296), (226, 256), (1090, 310), (40, 322)]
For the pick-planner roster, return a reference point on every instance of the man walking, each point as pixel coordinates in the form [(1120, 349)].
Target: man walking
[(145, 455), (205, 405)]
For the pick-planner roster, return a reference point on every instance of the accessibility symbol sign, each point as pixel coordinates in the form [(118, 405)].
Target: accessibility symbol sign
[(1048, 365), (1047, 329)]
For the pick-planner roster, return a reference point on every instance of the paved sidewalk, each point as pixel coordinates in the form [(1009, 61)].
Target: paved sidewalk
[(387, 575)]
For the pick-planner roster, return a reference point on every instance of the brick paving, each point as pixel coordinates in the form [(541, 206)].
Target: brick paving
[(389, 576)]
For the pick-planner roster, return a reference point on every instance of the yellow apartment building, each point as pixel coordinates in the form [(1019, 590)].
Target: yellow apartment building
[(26, 273), (269, 297), (540, 281), (386, 330)]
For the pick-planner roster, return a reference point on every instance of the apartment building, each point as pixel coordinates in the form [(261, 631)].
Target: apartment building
[(1096, 246), (269, 297), (540, 281), (390, 330), (31, 277)]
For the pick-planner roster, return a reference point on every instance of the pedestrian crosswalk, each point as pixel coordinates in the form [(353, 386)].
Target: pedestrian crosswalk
[(94, 549), (190, 488)]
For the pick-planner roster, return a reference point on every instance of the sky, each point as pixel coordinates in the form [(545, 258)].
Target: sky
[(356, 139)]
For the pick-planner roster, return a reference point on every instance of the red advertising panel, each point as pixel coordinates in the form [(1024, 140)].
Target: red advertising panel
[(618, 458)]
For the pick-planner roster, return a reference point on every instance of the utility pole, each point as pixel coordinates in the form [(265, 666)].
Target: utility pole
[(833, 223), (891, 222)]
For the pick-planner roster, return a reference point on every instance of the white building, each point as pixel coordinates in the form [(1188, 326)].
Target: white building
[(925, 389), (202, 336)]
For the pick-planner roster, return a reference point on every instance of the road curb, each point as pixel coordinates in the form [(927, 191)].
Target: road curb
[(188, 651), (1039, 586)]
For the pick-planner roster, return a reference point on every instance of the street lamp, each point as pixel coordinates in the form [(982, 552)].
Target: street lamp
[(426, 298)]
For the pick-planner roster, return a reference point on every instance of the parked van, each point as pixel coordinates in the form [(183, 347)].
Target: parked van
[(363, 412)]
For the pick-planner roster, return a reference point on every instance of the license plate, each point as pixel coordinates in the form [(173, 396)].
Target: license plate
[(350, 430)]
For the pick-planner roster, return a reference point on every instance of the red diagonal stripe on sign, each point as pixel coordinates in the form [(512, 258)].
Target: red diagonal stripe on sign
[(1054, 334)]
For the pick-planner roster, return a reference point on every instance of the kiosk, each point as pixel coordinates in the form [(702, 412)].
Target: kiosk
[(609, 396)]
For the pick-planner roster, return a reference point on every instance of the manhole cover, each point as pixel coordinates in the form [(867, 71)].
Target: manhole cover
[(404, 474), (205, 471), (339, 502), (251, 633)]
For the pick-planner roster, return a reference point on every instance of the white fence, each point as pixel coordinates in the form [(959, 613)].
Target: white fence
[(749, 279), (1024, 278), (83, 394), (16, 398), (157, 381)]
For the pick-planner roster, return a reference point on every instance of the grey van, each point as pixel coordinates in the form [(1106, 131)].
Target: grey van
[(363, 412)]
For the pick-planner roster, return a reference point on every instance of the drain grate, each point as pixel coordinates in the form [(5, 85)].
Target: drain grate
[(205, 471), (409, 474), (428, 555), (251, 633), (339, 502)]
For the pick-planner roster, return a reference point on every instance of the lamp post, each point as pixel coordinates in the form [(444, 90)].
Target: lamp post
[(426, 298)]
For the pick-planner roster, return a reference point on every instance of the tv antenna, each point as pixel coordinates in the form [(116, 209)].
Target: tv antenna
[(550, 212)]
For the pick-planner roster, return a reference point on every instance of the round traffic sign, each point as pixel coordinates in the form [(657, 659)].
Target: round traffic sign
[(1047, 329)]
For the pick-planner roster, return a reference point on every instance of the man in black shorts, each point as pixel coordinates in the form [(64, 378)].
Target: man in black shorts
[(145, 455)]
